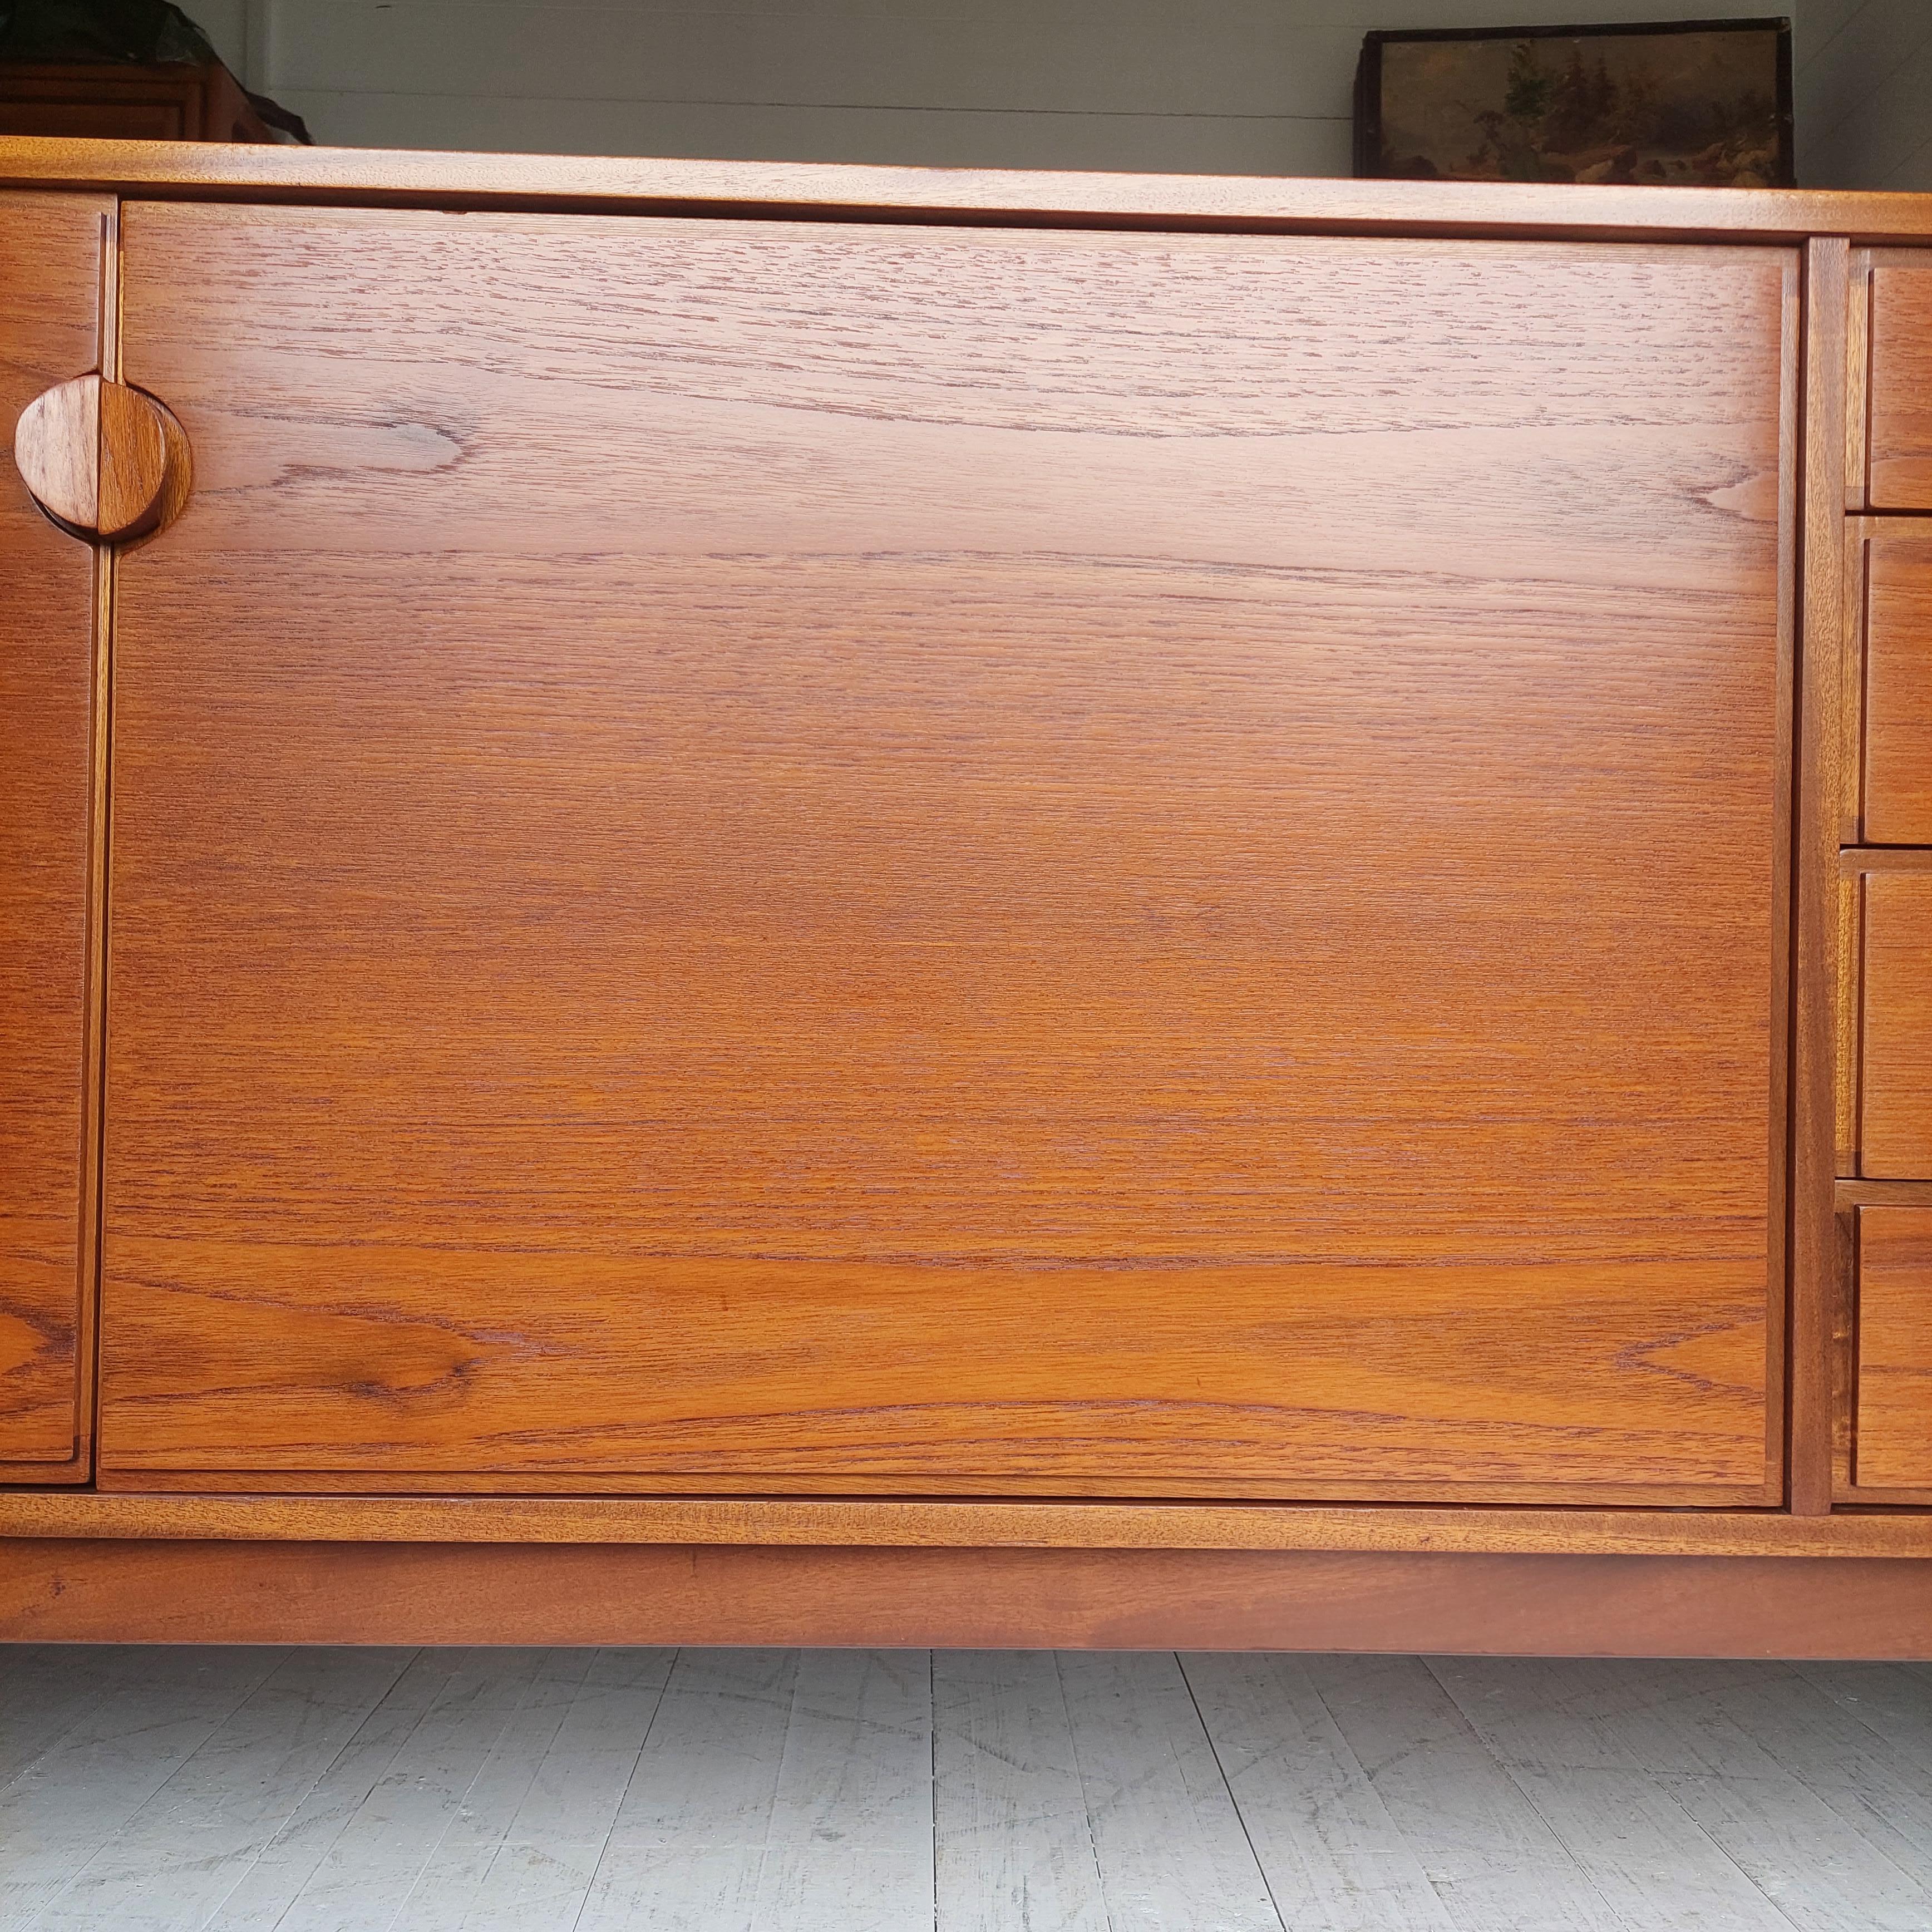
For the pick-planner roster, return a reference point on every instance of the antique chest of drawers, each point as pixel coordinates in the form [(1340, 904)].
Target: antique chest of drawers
[(756, 903)]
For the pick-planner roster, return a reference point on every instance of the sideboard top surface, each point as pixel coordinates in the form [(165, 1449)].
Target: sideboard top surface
[(804, 189)]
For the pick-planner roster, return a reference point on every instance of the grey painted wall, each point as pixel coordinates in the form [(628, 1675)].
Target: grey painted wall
[(1240, 86), (1864, 94)]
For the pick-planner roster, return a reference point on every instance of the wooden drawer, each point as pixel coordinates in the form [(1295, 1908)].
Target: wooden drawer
[(1894, 1447), (1895, 1099), (1898, 794), (1899, 423)]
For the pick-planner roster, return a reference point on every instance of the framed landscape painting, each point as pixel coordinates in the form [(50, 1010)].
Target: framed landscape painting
[(1692, 102)]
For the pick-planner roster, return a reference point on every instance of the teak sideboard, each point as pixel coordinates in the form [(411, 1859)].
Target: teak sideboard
[(753, 904)]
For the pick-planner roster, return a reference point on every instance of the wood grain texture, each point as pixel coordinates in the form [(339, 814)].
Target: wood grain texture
[(1003, 1525), (1859, 861), (159, 168), (1850, 1194), (50, 263), (1899, 428), (1891, 1198), (1847, 1000), (1894, 1407), (1192, 1489), (134, 462), (1849, 920), (57, 450), (862, 868), (1850, 533), (1844, 1346), (1858, 378), (1817, 962), (1898, 689), (1895, 1083), (95, 454), (68, 1591)]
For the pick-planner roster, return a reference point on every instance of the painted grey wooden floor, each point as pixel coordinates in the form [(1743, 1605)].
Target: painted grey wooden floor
[(829, 1791)]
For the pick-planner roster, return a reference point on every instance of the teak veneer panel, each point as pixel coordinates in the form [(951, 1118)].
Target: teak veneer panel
[(51, 252), (979, 1525), (796, 855), (818, 190), (1822, 762), (61, 1591), (1898, 689), (1899, 419), (1895, 1083), (1894, 1361)]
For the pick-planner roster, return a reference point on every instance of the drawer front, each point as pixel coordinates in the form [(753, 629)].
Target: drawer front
[(1895, 1084), (858, 860), (1898, 808), (1893, 1443), (1899, 431)]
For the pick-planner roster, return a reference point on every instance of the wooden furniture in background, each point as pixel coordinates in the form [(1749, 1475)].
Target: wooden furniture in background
[(108, 99), (1021, 861)]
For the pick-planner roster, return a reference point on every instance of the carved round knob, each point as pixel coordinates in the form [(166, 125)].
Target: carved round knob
[(98, 456)]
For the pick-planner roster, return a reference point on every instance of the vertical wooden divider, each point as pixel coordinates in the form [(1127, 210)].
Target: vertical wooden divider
[(93, 1092), (1815, 1297), (1790, 537)]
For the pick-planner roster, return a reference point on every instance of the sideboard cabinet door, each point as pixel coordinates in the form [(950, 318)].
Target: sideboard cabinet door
[(834, 856), (51, 256)]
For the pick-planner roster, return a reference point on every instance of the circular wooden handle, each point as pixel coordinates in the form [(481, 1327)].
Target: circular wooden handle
[(98, 456)]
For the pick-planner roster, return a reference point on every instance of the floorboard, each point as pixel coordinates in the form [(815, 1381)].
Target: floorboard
[(1826, 1871), (1892, 1701), (524, 1850), (1490, 1854), (502, 1790), (778, 1788), (279, 1876), (50, 1689), (1656, 1866), (1332, 1854), (81, 1793), (1015, 1847), (177, 1859), (401, 1824), (1167, 1837)]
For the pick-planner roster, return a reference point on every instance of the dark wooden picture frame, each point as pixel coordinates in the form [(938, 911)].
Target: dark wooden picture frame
[(1616, 118)]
